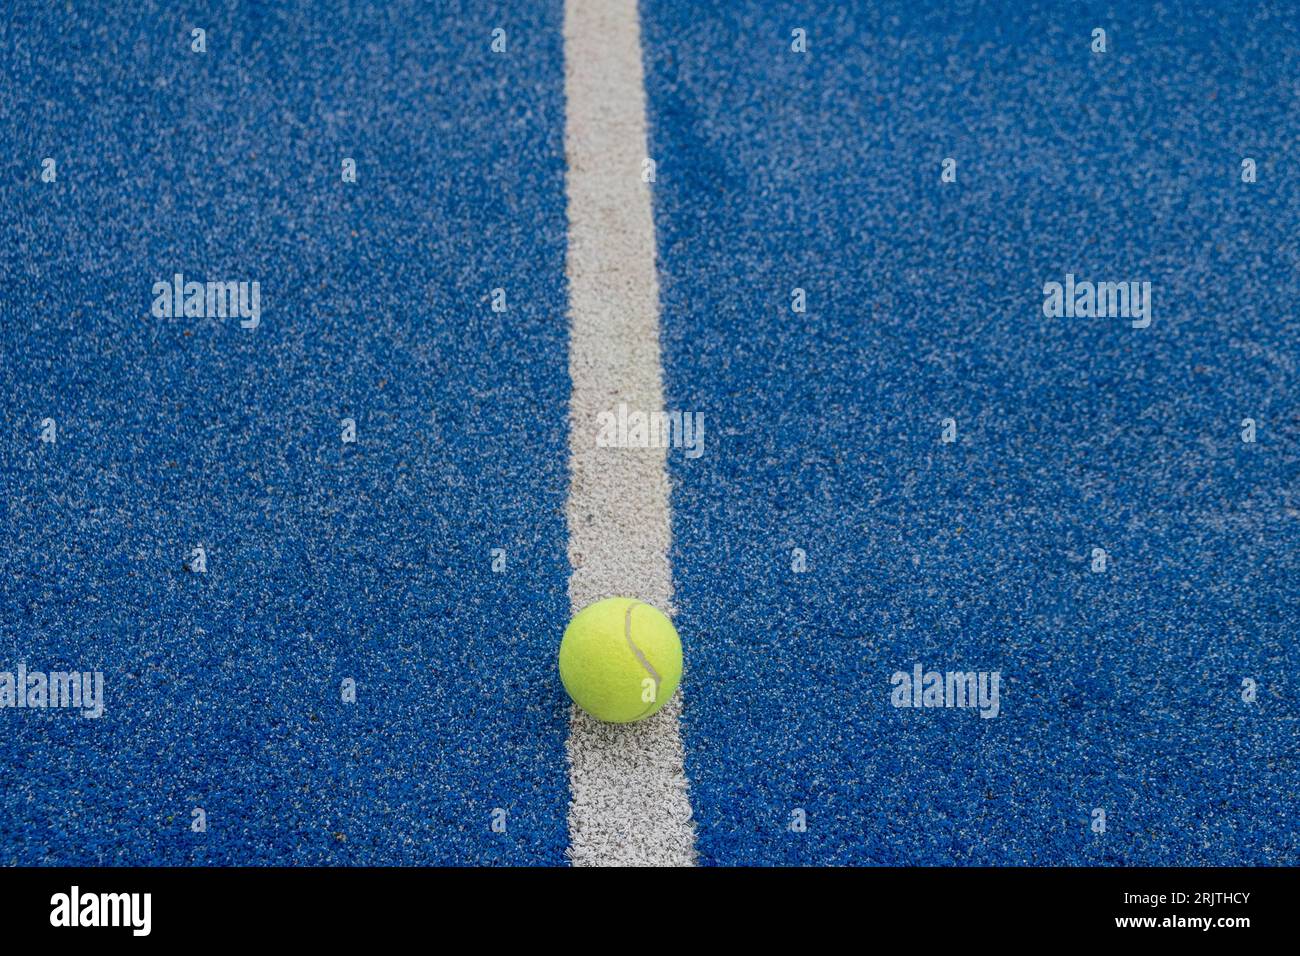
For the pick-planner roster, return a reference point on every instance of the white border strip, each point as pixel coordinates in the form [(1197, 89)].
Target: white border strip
[(629, 802)]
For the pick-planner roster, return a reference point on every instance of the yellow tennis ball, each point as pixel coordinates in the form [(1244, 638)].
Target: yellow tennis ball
[(620, 659)]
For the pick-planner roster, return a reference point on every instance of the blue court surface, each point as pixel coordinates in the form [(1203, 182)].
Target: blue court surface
[(1098, 532)]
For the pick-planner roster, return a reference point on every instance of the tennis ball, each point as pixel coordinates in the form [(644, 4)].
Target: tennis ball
[(620, 659)]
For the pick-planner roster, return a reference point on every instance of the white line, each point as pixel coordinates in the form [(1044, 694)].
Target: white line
[(629, 801)]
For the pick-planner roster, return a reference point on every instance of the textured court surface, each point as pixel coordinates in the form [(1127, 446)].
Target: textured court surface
[(325, 561), (1121, 690)]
